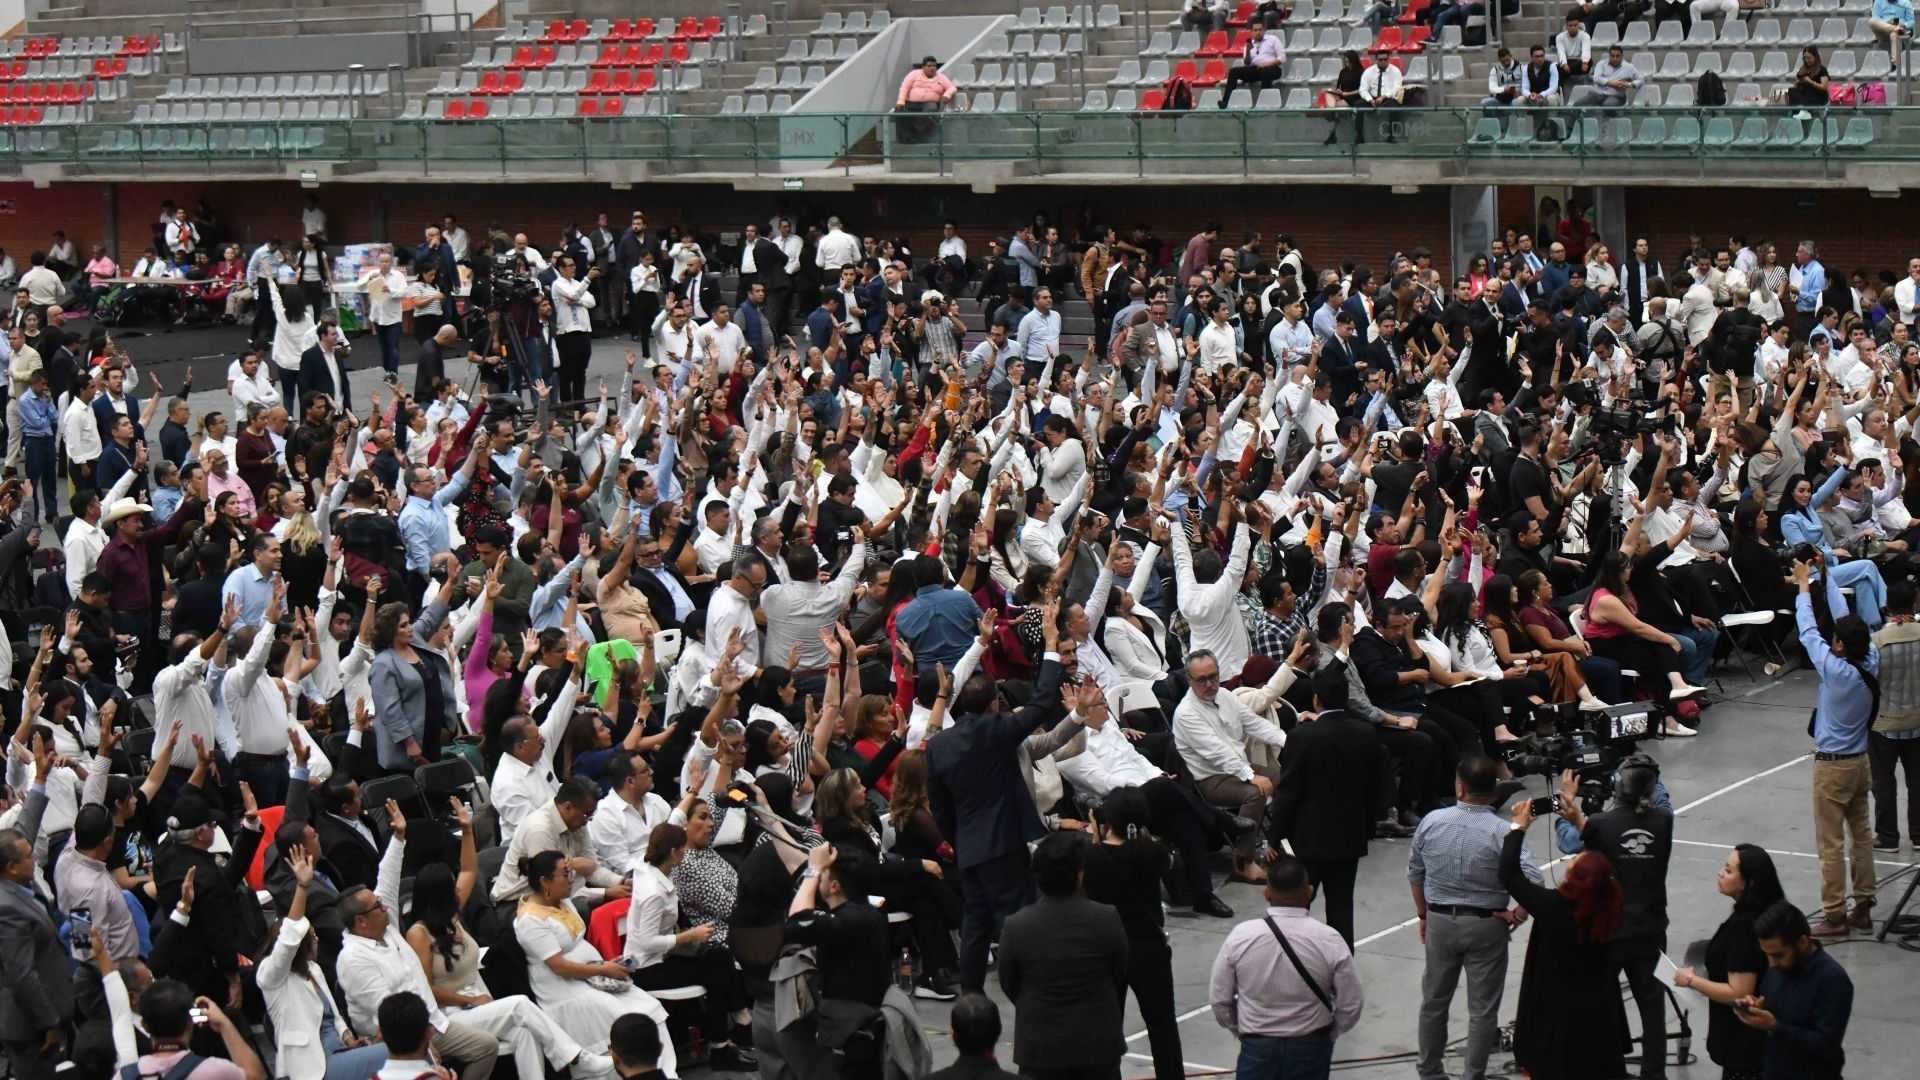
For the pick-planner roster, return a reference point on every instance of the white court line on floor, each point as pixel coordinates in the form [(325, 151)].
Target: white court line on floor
[(1877, 860), (1397, 927), (1189, 1065)]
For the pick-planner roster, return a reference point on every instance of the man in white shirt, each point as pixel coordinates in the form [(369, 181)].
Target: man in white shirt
[(1291, 340), (836, 249), (1380, 85), (1043, 536), (524, 779), (85, 539), (625, 819), (730, 613), (44, 288), (250, 384), (80, 431), (1211, 730), (790, 244), (258, 699), (1697, 312), (1039, 335), (1906, 294), (385, 285), (673, 336), (720, 338), (573, 301), (1218, 348), (1206, 594), (313, 220), (1573, 50)]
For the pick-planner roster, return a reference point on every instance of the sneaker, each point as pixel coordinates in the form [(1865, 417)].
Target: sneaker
[(1886, 845), (1679, 692), (1822, 927), (1595, 705), (1674, 729), (935, 988)]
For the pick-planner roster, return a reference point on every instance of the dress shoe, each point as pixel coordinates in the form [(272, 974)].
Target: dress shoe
[(1390, 830), (936, 987), (1214, 906), (1236, 826), (1828, 929)]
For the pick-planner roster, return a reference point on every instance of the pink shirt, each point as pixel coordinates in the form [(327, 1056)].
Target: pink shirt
[(218, 485), (917, 87), (99, 268)]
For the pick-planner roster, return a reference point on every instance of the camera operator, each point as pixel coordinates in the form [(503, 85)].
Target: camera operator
[(1635, 833)]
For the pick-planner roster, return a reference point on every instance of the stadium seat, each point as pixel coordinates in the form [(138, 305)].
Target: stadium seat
[(1095, 101), (1740, 65), (1668, 36), (1833, 31), (1774, 65), (831, 23), (1719, 131), (1705, 62), (856, 22), (1242, 14), (1270, 97), (1734, 33), (1765, 32), (1188, 70), (1215, 45), (1681, 96), (1299, 99), (1152, 100), (1160, 44), (1241, 99), (1158, 71), (1788, 132), (1842, 64), (1858, 133), (1605, 34), (1107, 17), (1673, 65), (756, 104), (1415, 39), (1877, 65), (1125, 101), (1686, 132), (1213, 74), (1519, 131), (1128, 75), (1702, 34), (1638, 36)]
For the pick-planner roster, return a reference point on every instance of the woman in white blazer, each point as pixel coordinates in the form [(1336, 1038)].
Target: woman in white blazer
[(1134, 637), (311, 1037)]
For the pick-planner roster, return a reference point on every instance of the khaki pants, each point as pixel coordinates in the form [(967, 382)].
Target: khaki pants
[(1840, 792), (237, 300), (1241, 798)]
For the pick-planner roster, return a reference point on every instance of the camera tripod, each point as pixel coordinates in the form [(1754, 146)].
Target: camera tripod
[(516, 352)]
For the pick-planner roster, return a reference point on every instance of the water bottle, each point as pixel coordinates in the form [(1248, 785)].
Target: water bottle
[(903, 975)]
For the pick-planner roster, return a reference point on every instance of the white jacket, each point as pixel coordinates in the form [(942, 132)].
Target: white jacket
[(1212, 736), (294, 1003), (1213, 622)]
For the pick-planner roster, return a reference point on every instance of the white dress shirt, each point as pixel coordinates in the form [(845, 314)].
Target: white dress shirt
[(1218, 346), (1213, 618), (383, 308), (520, 788), (1374, 84), (835, 250), (571, 301), (1212, 735), (80, 430), (727, 611), (619, 829), (725, 342), (258, 702), (1109, 761)]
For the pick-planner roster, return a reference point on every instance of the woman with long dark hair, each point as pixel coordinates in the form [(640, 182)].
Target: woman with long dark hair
[(843, 817), (1572, 1024), (1512, 646), (313, 270), (1617, 632), (1125, 869), (1734, 962), (295, 330), (448, 953), (311, 1034), (1471, 652), (1800, 525)]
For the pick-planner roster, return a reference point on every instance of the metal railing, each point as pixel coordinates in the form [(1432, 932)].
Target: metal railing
[(1710, 143)]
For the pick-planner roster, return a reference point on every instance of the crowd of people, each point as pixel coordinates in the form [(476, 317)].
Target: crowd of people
[(791, 680)]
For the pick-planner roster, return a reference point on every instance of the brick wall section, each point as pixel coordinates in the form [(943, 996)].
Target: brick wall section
[(1329, 223)]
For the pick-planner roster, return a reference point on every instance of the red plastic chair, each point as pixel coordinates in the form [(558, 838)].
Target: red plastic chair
[(1213, 74), (643, 28), (587, 107), (1152, 100), (577, 30), (119, 66), (710, 28), (685, 29), (556, 31), (522, 57), (643, 80), (622, 30), (52, 46), (35, 115), (544, 56), (679, 53), (478, 110), (1243, 14), (1388, 41), (1416, 39), (456, 109), (72, 93), (270, 818), (1412, 12), (622, 81), (607, 928), (489, 83), (513, 83), (612, 106), (655, 54), (609, 56), (37, 93), (598, 82), (19, 69), (1186, 69), (1214, 45), (1398, 65), (101, 67)]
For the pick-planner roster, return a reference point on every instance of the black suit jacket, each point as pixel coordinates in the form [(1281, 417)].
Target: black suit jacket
[(1633, 281), (659, 600), (1323, 803), (770, 265), (975, 776), (1063, 964), (973, 1067), (315, 376), (218, 934)]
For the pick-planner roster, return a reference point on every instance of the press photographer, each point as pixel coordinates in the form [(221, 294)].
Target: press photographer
[(1636, 836)]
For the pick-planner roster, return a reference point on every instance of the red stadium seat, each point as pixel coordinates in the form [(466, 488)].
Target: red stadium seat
[(101, 67), (622, 81), (19, 69), (556, 31), (35, 115), (655, 55), (50, 46), (489, 83), (587, 107), (636, 56), (687, 28), (478, 110), (1213, 74), (622, 30), (1416, 39), (1388, 41), (678, 52), (1151, 100), (643, 80), (609, 56), (710, 28), (1243, 14), (1186, 69), (513, 83), (72, 93), (577, 30), (598, 82), (1411, 13), (612, 106), (37, 93), (270, 818), (456, 109), (1215, 45), (522, 57)]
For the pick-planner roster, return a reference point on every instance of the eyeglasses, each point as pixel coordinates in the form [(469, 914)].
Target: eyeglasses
[(1204, 680)]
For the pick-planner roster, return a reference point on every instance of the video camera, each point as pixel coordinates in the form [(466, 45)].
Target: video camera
[(1613, 426), (507, 282), (1590, 744)]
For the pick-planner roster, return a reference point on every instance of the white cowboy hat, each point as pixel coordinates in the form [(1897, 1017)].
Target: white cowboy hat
[(124, 508)]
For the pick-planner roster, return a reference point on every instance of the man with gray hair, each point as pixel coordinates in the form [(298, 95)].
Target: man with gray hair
[(836, 249), (1211, 730)]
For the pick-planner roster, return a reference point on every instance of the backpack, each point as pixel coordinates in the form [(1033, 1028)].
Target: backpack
[(1711, 92), (180, 1071), (1176, 94)]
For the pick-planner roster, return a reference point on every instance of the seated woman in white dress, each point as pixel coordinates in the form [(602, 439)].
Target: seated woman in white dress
[(584, 991)]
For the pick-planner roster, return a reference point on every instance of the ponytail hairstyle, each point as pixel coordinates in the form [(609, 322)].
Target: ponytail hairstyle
[(665, 839), (538, 868)]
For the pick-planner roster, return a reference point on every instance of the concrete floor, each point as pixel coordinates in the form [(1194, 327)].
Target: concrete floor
[(1745, 779)]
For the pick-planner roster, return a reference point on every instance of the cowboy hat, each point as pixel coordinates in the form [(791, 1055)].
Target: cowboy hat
[(124, 508)]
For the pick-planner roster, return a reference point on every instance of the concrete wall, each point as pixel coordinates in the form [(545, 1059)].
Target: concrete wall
[(312, 52)]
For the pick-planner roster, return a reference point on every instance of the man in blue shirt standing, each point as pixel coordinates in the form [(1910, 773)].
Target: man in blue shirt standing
[(38, 423), (753, 325), (423, 521), (1807, 281), (1849, 698)]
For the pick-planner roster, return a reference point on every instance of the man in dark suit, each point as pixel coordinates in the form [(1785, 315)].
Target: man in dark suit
[(1063, 964), (219, 934), (323, 893), (36, 985), (975, 1022), (770, 269), (983, 806), (1328, 795), (318, 365), (667, 593), (1635, 271), (345, 840), (1360, 297), (1338, 355)]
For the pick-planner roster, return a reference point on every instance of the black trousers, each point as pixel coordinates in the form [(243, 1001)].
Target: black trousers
[(1424, 777), (1453, 706), (712, 968), (640, 315), (1179, 818), (989, 892), (1653, 662), (1334, 878), (1249, 75), (574, 349), (779, 316), (1884, 755), (1150, 977), (1673, 9), (263, 310), (1637, 957)]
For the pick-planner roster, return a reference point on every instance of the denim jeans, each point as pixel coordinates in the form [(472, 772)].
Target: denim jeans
[(1696, 653), (389, 335), (1302, 1057), (40, 451)]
